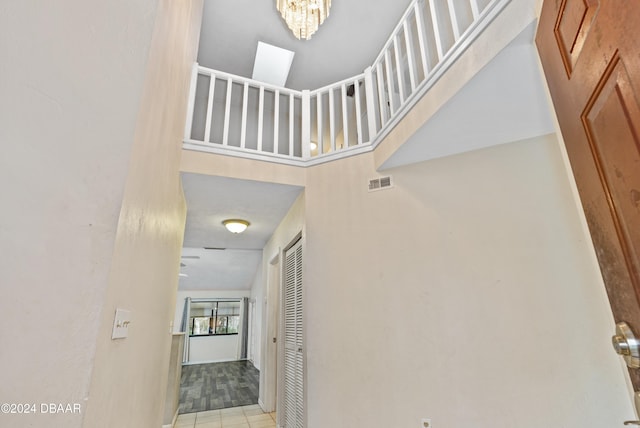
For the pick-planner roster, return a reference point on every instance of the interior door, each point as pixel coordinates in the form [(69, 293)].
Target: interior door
[(293, 406), (590, 52)]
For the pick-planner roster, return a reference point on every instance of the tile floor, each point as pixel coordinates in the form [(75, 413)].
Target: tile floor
[(232, 417)]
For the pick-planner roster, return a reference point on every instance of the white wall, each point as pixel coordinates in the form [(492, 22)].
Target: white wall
[(467, 294), (213, 349), (208, 348), (257, 295), (73, 81)]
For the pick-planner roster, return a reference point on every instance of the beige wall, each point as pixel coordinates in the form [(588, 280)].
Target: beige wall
[(72, 79), (466, 294), (269, 296), (235, 167), (129, 376), (172, 399), (81, 232)]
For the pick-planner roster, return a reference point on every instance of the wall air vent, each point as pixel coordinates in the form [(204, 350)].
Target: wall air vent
[(380, 183)]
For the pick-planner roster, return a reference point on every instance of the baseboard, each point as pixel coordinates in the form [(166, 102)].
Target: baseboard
[(173, 423), (264, 409), (193, 363)]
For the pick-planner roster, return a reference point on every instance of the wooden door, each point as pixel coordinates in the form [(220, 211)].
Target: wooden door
[(590, 52)]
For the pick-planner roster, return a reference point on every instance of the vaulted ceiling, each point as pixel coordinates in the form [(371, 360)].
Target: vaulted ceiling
[(344, 45), (503, 103)]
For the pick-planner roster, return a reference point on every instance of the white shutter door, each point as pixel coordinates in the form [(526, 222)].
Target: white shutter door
[(293, 341)]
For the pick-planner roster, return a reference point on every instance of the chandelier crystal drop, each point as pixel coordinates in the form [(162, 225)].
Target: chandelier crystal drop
[(304, 16)]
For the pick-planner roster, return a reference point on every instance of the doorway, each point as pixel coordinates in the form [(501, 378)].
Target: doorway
[(216, 373), (218, 263), (271, 306), (589, 53)]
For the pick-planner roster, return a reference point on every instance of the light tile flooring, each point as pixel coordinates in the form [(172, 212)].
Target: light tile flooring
[(232, 417)]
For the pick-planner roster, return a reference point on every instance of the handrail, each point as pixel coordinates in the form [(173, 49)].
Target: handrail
[(267, 122), (221, 74), (339, 83)]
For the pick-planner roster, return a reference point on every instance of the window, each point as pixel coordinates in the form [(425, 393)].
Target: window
[(214, 318)]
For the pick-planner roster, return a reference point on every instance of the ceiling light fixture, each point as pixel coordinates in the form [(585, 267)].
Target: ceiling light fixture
[(304, 16), (235, 225)]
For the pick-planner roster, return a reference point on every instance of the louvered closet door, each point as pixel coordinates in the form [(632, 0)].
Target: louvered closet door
[(293, 360)]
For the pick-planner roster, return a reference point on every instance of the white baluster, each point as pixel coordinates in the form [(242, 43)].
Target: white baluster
[(276, 119), (381, 96), (209, 120), (245, 101), (410, 59), (332, 130), (292, 117), (421, 37), (320, 125), (436, 29), (356, 94), (454, 20), (389, 81), (227, 113), (306, 124), (345, 118), (398, 69), (260, 118), (369, 99), (475, 10)]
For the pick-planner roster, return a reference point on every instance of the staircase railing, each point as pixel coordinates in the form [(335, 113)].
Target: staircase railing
[(238, 116)]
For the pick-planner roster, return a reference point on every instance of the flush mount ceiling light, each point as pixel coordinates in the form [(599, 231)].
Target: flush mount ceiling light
[(304, 16), (235, 225)]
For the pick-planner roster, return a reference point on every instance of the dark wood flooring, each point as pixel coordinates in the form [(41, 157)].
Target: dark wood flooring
[(218, 386)]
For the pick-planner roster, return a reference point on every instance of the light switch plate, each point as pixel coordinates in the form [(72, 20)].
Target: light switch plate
[(121, 324), (425, 423)]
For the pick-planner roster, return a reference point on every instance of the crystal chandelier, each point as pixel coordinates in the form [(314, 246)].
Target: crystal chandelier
[(304, 16)]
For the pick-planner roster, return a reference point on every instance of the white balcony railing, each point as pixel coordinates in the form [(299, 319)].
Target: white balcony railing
[(233, 115)]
